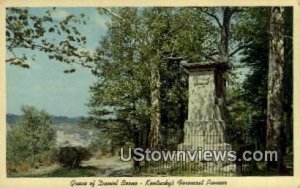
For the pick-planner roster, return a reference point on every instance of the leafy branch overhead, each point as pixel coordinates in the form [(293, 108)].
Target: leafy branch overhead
[(59, 39)]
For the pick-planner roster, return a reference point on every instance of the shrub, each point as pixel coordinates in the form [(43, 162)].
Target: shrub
[(71, 157), (31, 139)]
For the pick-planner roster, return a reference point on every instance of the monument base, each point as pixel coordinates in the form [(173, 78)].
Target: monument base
[(208, 135), (204, 136), (211, 147)]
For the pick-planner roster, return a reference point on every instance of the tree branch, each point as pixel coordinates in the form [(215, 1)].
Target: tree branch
[(238, 49), (213, 16), (210, 58), (113, 14), (235, 10)]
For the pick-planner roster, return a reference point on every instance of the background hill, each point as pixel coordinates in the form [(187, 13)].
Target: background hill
[(56, 120)]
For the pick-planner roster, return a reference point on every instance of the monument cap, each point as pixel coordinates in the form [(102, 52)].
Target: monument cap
[(207, 65)]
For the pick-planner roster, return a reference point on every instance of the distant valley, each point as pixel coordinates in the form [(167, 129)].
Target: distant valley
[(68, 130), (56, 120)]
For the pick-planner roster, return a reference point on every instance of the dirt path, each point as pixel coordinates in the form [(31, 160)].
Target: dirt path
[(104, 167), (111, 166)]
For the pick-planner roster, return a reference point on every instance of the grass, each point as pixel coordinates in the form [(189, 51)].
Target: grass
[(82, 172), (154, 169), (61, 172), (182, 169), (198, 169)]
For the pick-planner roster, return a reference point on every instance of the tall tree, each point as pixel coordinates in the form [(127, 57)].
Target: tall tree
[(228, 44), (255, 57), (255, 87), (158, 38), (122, 88), (275, 137)]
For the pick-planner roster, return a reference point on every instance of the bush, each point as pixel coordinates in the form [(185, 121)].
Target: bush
[(31, 140), (71, 157)]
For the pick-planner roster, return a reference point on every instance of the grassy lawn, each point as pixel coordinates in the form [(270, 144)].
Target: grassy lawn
[(61, 172), (108, 167), (81, 172)]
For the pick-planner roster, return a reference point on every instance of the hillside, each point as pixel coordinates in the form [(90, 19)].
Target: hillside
[(56, 120)]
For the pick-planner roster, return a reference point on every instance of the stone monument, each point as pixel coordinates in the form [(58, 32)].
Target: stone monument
[(205, 125)]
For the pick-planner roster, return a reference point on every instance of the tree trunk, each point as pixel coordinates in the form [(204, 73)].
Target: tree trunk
[(155, 116), (137, 144), (275, 137), (224, 56)]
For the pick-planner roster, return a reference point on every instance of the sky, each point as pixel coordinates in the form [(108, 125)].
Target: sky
[(44, 85)]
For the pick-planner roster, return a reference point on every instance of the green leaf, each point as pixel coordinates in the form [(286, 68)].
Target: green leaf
[(51, 29), (69, 71), (25, 66)]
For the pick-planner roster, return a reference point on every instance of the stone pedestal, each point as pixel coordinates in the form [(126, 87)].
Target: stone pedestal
[(205, 126)]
